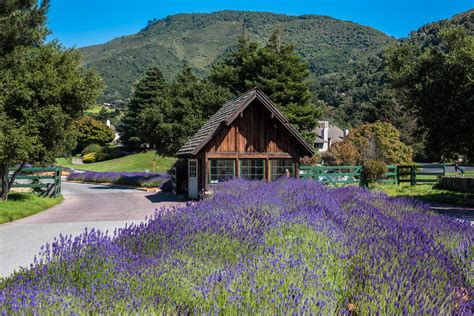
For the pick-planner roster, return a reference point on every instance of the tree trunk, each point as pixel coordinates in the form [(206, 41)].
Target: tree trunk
[(8, 183), (4, 193)]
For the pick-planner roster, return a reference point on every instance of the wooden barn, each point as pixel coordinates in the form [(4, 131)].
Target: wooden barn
[(248, 138)]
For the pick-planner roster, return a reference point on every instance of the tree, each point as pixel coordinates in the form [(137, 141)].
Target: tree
[(164, 117), (345, 153), (22, 23), (149, 92), (278, 71), (436, 78), (380, 141), (43, 89), (193, 102), (91, 131)]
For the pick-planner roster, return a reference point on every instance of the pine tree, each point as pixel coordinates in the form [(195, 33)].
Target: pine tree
[(149, 92), (240, 66), (162, 115), (278, 71), (22, 23)]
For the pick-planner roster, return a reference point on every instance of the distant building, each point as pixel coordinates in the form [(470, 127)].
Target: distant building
[(112, 127), (327, 135)]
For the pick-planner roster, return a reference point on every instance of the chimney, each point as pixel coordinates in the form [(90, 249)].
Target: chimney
[(324, 125), (346, 132)]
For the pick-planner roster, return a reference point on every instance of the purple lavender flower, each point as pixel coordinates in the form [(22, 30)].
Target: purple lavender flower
[(285, 247), (141, 179)]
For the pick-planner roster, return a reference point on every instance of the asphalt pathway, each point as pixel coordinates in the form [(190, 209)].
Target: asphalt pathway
[(85, 205), (458, 211)]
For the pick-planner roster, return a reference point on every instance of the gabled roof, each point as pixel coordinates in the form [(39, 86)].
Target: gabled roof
[(228, 113), (319, 140), (334, 132)]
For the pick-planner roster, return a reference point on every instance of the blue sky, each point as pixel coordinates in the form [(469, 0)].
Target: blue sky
[(87, 22)]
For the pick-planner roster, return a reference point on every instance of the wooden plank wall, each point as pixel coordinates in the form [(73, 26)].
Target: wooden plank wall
[(255, 131)]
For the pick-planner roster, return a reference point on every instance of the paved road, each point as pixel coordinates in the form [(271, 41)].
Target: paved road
[(458, 211), (84, 205)]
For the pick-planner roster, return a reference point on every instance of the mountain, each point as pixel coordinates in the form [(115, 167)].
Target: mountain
[(330, 46)]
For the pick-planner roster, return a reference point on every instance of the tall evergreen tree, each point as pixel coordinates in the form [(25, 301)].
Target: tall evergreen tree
[(22, 23), (164, 115), (151, 91), (278, 71)]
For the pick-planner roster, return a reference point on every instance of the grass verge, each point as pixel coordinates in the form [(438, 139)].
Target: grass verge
[(427, 192), (21, 205), (132, 163)]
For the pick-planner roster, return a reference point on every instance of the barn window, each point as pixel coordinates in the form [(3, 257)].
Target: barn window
[(221, 170), (252, 169), (278, 168)]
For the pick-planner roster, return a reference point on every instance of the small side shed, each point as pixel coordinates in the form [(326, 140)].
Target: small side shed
[(248, 138)]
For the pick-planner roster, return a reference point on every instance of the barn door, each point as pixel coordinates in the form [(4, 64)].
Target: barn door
[(193, 188)]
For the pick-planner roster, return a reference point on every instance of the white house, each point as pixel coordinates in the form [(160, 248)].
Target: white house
[(327, 134)]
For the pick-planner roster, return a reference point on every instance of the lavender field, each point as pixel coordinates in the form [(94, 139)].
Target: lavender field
[(140, 179), (287, 247)]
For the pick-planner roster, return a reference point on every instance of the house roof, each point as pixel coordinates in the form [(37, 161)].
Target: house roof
[(319, 140), (334, 133), (228, 113)]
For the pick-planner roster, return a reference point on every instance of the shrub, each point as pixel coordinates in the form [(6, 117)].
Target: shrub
[(115, 152), (91, 131), (311, 161), (92, 148), (328, 159), (380, 141), (345, 153), (374, 170), (102, 156), (89, 158)]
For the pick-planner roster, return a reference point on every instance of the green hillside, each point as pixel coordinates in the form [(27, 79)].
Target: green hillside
[(328, 45)]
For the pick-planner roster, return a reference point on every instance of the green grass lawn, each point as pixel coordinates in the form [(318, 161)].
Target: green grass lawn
[(427, 192), (95, 109), (467, 173), (20, 205), (136, 162)]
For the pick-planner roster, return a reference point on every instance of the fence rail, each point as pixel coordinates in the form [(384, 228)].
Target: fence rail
[(417, 173), (390, 177), (345, 175), (337, 176), (34, 178)]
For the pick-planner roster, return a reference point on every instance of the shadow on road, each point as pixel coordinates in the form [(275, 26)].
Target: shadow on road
[(453, 211), (165, 197), (111, 187)]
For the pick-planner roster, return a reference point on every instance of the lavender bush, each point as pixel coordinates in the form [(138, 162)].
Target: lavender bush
[(287, 247), (141, 179)]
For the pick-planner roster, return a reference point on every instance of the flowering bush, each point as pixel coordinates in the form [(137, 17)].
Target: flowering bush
[(140, 179), (287, 247), (89, 158)]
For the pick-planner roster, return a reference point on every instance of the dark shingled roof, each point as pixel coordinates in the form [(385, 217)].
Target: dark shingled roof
[(227, 114), (319, 140)]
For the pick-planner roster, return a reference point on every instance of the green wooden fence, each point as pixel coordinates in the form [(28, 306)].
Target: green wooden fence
[(337, 176), (390, 177), (51, 188), (420, 173)]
